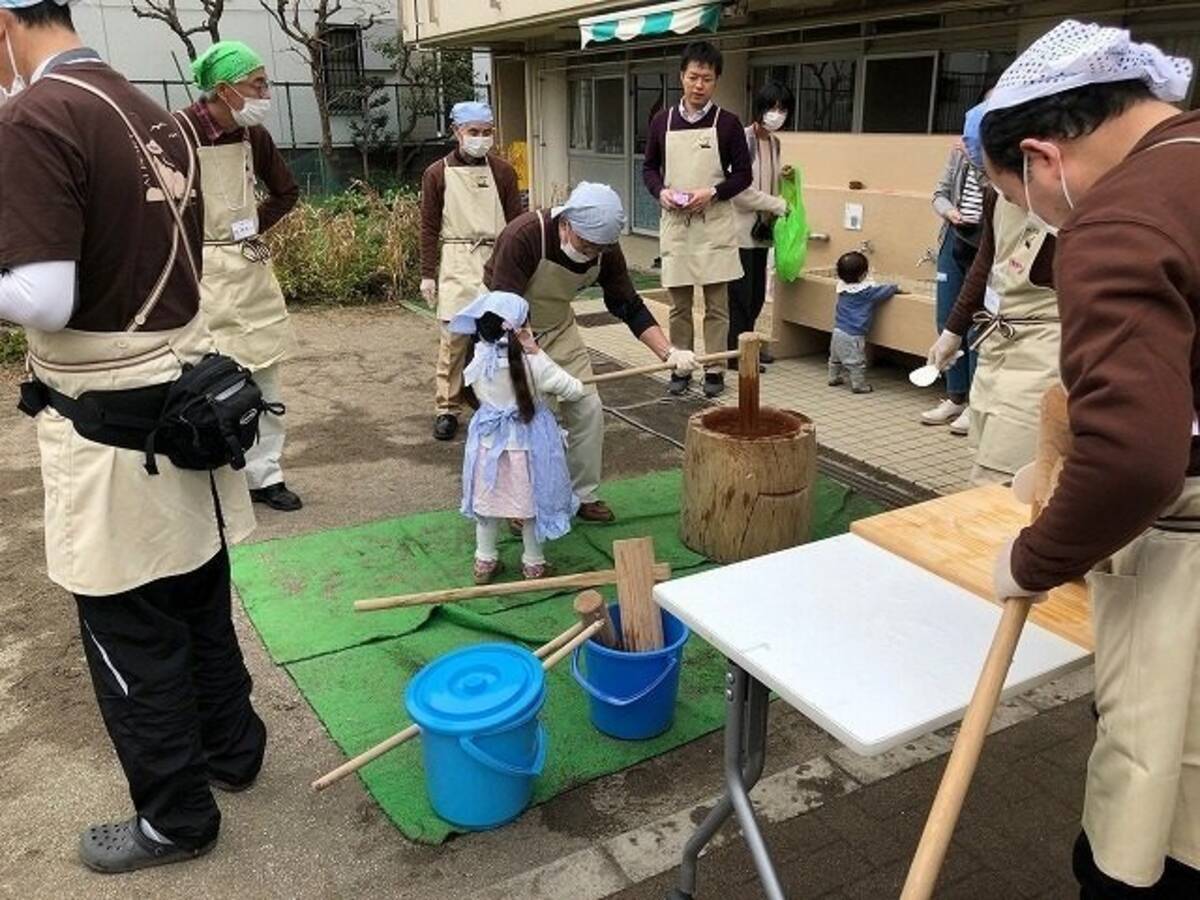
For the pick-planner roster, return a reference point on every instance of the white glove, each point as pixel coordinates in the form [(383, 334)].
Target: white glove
[(781, 207), (942, 353), (1024, 482), (682, 362), (429, 291), (1003, 582)]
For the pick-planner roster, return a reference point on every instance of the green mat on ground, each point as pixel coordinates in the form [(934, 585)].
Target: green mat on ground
[(352, 667)]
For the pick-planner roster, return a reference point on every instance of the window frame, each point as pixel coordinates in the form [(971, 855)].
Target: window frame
[(861, 88), (345, 107)]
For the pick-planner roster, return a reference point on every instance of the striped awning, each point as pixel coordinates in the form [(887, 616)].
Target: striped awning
[(678, 17)]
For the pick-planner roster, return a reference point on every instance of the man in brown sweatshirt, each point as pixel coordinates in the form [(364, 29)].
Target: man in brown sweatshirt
[(467, 197), (1080, 132)]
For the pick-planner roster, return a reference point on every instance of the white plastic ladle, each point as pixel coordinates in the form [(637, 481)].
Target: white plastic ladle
[(927, 375)]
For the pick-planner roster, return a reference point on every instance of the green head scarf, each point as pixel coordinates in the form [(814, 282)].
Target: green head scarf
[(224, 61)]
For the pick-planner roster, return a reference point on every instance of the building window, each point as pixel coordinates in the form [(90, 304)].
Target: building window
[(898, 94), (825, 95), (341, 60), (598, 115), (823, 92), (962, 76)]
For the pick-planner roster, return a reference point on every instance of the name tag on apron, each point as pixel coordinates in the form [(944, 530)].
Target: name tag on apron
[(243, 229), (991, 301)]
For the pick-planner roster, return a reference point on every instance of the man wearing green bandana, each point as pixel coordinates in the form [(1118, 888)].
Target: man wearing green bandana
[(239, 294)]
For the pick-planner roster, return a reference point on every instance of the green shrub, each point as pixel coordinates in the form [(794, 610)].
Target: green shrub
[(355, 247), (12, 345)]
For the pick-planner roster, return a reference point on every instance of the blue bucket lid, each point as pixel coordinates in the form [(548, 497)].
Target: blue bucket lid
[(476, 689)]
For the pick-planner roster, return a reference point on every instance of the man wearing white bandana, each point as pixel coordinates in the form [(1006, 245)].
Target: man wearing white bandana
[(1079, 132), (467, 198), (240, 296)]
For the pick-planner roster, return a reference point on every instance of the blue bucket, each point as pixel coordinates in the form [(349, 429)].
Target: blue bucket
[(632, 695), (481, 740)]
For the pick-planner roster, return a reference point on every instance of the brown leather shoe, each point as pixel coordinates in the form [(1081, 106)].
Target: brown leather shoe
[(596, 511)]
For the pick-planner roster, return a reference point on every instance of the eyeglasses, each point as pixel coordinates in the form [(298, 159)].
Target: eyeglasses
[(259, 87)]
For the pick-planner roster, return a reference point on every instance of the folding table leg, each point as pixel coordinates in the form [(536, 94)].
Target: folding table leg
[(745, 754)]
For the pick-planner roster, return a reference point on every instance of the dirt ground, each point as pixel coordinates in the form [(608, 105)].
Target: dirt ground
[(359, 449)]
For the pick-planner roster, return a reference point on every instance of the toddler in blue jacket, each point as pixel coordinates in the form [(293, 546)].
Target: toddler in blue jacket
[(857, 298)]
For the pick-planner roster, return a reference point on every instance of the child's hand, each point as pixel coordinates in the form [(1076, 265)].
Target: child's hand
[(527, 341)]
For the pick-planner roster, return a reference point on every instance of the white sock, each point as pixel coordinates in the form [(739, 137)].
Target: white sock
[(154, 834), (533, 548), (487, 531)]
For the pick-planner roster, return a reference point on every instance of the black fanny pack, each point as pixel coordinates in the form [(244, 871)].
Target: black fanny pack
[(206, 419)]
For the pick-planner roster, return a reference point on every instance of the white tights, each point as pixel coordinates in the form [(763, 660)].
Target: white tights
[(487, 530)]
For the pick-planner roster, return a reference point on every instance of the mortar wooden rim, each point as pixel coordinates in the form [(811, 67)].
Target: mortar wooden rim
[(725, 421)]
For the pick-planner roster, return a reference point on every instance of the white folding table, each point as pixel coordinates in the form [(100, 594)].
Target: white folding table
[(870, 647)]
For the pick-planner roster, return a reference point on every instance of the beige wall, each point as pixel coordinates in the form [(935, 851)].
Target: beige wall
[(509, 89), (898, 172)]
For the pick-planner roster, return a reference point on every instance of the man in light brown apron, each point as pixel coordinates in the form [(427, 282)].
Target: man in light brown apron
[(144, 555), (1081, 133), (548, 257), (467, 197), (242, 303), (697, 161), (1008, 296)]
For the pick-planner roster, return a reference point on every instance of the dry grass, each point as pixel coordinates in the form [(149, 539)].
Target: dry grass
[(12, 345), (357, 247)]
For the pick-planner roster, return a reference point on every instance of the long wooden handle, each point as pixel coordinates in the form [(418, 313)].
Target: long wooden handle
[(662, 572), (400, 737), (939, 827), (657, 367), (565, 650)]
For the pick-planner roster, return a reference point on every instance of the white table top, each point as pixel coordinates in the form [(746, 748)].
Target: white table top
[(872, 648)]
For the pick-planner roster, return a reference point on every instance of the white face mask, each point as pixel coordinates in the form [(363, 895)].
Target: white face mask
[(1034, 219), (773, 119), (18, 83), (477, 145), (253, 112), (577, 256)]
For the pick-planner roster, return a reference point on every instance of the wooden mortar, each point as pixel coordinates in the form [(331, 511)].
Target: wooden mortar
[(747, 492)]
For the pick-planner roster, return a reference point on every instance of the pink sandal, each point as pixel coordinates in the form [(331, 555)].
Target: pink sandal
[(486, 570), (535, 571)]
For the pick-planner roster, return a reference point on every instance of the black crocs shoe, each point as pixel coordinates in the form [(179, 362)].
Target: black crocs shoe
[(714, 384), (678, 385), (231, 787), (116, 847), (276, 496), (445, 426)]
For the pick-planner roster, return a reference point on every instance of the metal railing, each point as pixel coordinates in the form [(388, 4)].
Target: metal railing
[(296, 108)]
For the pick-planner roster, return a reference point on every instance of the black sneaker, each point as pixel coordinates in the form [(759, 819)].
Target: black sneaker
[(445, 427), (679, 385), (766, 356), (276, 496), (121, 847), (862, 389), (714, 384)]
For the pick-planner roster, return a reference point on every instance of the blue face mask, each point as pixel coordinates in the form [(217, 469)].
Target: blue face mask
[(973, 134)]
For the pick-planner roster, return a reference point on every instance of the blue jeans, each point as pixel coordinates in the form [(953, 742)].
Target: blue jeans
[(950, 275)]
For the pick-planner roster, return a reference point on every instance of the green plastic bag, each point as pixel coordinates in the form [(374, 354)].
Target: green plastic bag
[(791, 231)]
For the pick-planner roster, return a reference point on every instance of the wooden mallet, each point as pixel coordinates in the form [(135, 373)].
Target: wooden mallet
[(745, 343), (550, 654), (590, 607), (1054, 441), (659, 572)]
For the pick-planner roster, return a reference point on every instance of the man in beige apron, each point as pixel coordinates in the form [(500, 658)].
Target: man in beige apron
[(548, 257), (1017, 340), (467, 197), (240, 296), (696, 162), (108, 290), (1081, 133)]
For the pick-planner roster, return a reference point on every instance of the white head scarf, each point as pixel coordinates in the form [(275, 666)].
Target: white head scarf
[(594, 212), (1074, 54), (512, 308)]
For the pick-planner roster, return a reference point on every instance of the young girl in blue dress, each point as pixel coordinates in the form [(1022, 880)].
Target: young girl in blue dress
[(515, 466)]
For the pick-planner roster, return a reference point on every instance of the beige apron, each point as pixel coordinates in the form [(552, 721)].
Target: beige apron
[(239, 294), (110, 526), (702, 248), (1143, 783), (550, 293), (1018, 350), (472, 217)]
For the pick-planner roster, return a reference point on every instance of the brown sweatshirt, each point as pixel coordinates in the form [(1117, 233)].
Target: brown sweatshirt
[(974, 289), (433, 195), (1128, 276)]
